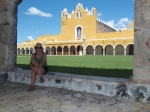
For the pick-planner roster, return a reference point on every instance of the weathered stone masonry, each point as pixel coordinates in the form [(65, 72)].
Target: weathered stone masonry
[(141, 71), (8, 34)]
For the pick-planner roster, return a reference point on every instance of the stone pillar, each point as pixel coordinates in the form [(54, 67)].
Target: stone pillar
[(8, 34), (50, 52), (114, 53), (103, 51), (94, 52), (69, 51), (76, 50), (62, 51), (141, 69), (125, 53)]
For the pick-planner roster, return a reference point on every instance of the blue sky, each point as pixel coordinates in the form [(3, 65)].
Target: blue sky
[(43, 17)]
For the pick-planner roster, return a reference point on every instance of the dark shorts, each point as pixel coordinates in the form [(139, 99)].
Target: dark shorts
[(45, 69)]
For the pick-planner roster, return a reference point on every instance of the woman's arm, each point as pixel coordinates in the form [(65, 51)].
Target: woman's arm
[(31, 60)]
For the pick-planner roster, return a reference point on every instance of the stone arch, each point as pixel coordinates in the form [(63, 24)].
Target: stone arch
[(66, 50), (27, 50), (18, 51), (59, 50), (89, 50), (31, 50), (79, 49), (130, 49), (72, 50), (22, 51), (119, 49), (48, 50), (99, 50), (108, 49), (53, 50)]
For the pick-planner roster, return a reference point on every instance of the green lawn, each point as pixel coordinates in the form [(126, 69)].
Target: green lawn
[(107, 66)]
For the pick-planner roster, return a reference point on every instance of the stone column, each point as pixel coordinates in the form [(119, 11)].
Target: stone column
[(76, 50), (103, 51), (8, 34), (125, 53), (114, 53), (69, 51), (93, 51), (141, 70)]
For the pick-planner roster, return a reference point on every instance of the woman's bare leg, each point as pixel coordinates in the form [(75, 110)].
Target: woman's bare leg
[(33, 78), (40, 74)]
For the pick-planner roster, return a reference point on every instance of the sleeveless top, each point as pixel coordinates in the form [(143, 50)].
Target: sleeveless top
[(39, 60)]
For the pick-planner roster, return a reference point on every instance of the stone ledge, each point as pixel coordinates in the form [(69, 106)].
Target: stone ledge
[(113, 87), (3, 76), (91, 84)]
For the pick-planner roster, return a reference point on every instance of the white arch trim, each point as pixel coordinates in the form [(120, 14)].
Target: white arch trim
[(108, 44), (129, 44), (119, 44), (90, 45), (97, 45)]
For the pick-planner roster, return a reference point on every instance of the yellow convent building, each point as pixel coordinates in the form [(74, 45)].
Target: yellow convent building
[(83, 34)]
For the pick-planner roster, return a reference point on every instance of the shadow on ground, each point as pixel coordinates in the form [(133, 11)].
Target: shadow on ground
[(116, 73)]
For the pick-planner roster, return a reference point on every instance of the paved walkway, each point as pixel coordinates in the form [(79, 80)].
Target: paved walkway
[(15, 98)]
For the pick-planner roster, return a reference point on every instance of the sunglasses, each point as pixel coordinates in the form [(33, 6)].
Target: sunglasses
[(38, 47)]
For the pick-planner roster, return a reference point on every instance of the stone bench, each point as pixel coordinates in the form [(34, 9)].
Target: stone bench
[(112, 87)]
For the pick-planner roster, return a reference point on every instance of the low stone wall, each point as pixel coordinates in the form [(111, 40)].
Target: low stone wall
[(113, 87), (3, 76)]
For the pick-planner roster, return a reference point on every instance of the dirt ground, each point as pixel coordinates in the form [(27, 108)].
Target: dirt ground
[(14, 97)]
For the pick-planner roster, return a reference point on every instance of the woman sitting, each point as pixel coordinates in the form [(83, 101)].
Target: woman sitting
[(38, 65)]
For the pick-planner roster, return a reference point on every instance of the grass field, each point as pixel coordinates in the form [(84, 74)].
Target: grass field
[(107, 66)]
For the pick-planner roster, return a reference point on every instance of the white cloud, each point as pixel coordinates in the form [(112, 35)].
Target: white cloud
[(35, 11), (99, 14), (111, 23), (121, 24), (30, 37)]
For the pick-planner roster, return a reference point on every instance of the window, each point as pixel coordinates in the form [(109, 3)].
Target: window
[(80, 14), (77, 15), (79, 30)]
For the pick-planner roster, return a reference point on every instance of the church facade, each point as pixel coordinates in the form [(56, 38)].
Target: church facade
[(82, 33)]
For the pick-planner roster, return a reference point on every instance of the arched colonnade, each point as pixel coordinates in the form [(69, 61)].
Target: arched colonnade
[(108, 49)]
